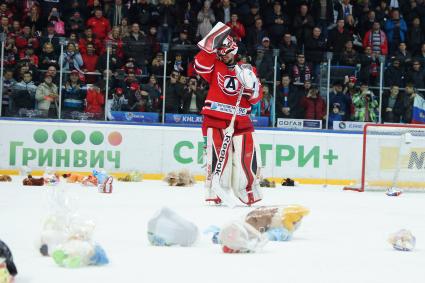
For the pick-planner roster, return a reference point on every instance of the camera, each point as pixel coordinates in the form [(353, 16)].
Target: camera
[(369, 95)]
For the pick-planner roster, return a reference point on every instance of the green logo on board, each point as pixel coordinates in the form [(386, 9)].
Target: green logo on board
[(51, 149)]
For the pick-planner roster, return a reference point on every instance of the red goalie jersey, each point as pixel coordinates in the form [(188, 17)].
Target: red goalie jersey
[(223, 94)]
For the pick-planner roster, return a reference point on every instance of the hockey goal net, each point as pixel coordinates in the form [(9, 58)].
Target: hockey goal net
[(393, 157)]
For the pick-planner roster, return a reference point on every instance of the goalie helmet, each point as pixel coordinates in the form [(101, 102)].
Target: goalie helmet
[(228, 46)]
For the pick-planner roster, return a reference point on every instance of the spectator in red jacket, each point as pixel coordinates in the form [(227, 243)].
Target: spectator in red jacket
[(26, 40), (237, 27), (95, 100), (90, 62), (376, 39), (99, 24), (87, 38), (314, 105)]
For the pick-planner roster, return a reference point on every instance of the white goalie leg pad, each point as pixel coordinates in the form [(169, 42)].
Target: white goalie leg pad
[(246, 169), (214, 141)]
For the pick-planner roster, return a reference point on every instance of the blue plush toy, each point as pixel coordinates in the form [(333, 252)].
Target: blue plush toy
[(101, 176), (99, 257), (215, 231), (279, 234)]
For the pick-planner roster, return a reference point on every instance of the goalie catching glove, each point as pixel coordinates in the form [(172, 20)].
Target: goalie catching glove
[(249, 81)]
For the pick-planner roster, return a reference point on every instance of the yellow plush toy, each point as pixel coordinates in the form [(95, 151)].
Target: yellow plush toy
[(292, 215), (134, 176)]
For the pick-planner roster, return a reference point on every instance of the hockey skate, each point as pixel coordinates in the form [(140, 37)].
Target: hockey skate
[(210, 196)]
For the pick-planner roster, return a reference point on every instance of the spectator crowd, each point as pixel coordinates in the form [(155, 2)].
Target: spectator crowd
[(361, 34)]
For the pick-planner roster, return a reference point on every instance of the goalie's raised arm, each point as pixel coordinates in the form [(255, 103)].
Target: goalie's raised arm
[(211, 46)]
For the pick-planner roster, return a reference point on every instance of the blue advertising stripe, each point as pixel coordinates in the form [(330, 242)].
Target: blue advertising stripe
[(313, 124), (147, 117), (183, 119), (260, 121)]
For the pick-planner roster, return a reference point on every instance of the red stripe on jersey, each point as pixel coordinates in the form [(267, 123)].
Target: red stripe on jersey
[(203, 67), (201, 71)]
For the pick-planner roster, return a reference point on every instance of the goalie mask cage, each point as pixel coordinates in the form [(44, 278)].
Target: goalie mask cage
[(393, 156)]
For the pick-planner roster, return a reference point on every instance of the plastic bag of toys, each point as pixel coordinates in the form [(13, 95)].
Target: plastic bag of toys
[(402, 240), (68, 237), (79, 249), (279, 223), (61, 208), (167, 228), (241, 237), (54, 233)]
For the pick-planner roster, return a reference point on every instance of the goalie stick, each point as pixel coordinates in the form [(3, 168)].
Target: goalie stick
[(226, 197)]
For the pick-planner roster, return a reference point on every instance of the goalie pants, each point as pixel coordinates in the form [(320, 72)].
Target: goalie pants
[(241, 166)]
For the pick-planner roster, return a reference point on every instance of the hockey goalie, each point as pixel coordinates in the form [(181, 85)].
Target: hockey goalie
[(231, 158)]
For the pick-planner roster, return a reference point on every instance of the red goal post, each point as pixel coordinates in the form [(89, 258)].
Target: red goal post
[(393, 155)]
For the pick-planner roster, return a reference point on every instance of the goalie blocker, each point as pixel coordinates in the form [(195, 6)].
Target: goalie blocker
[(216, 63)]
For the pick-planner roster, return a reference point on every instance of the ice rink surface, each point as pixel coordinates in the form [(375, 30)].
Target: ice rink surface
[(343, 240)]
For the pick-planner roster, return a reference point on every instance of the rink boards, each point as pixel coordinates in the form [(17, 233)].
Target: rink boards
[(308, 156)]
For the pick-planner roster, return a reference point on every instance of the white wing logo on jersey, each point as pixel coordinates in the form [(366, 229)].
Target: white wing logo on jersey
[(228, 84)]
